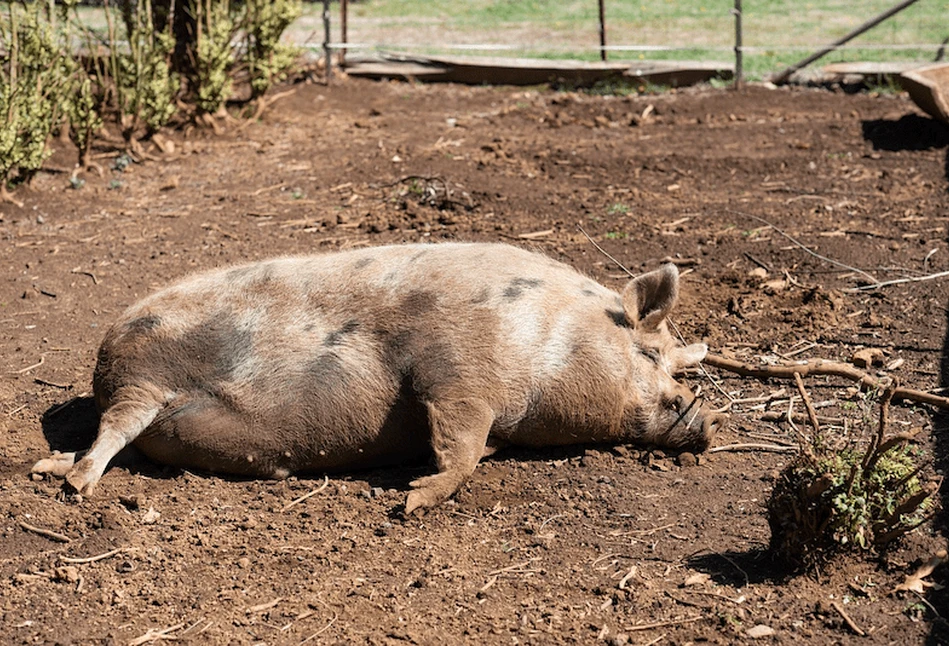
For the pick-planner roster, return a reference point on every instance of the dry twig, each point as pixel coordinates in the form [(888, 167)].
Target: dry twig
[(850, 623), (260, 607), (326, 482), (897, 281), (662, 624), (91, 559), (805, 248), (779, 448), (35, 365), (811, 415), (603, 251), (48, 533), (155, 635), (822, 367)]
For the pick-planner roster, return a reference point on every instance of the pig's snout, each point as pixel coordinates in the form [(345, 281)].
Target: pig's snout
[(711, 425), (696, 427)]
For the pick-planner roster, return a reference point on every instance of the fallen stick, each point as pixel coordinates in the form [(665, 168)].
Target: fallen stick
[(662, 624), (48, 533), (326, 482), (897, 281), (778, 448), (260, 607), (91, 559), (155, 635), (822, 367), (775, 416), (811, 415), (850, 623)]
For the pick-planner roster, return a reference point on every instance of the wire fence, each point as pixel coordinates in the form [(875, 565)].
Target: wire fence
[(775, 33)]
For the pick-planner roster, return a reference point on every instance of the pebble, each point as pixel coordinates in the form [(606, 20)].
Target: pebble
[(759, 631), (687, 459), (150, 517)]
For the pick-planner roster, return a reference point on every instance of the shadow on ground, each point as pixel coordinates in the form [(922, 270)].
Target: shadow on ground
[(909, 132), (739, 569)]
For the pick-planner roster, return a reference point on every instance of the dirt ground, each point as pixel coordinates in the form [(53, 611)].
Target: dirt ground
[(544, 547)]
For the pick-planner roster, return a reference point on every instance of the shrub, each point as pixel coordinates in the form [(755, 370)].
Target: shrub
[(831, 500), (34, 79)]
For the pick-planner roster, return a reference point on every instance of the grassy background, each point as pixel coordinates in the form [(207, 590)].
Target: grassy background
[(776, 32)]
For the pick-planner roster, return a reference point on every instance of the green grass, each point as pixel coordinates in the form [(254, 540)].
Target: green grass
[(776, 32)]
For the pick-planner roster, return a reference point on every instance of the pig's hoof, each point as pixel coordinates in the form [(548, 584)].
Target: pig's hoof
[(429, 491), (419, 499), (58, 464), (80, 481)]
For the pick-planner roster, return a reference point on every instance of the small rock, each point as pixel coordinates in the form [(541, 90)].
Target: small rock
[(699, 578), (895, 364), (687, 459), (774, 286), (66, 573), (759, 631), (867, 357), (150, 517), (249, 523), (619, 639), (243, 563), (376, 492), (758, 272)]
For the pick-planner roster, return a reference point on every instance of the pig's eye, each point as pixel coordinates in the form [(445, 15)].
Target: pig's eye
[(677, 403), (651, 354)]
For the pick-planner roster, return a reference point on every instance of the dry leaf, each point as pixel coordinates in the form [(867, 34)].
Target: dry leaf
[(914, 582)]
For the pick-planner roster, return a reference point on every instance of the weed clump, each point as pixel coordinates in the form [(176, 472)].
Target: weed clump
[(832, 500)]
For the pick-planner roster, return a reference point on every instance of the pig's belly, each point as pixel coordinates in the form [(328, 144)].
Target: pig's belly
[(199, 430)]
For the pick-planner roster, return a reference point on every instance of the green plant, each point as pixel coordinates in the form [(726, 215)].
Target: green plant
[(618, 208), (267, 59), (836, 499), (145, 86), (213, 55), (34, 79)]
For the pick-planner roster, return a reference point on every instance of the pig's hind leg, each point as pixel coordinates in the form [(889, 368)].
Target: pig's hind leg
[(132, 411), (459, 434)]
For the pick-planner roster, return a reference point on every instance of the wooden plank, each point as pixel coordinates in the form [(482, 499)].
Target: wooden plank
[(928, 86), (525, 71)]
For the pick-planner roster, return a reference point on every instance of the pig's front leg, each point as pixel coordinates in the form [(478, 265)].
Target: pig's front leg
[(459, 434)]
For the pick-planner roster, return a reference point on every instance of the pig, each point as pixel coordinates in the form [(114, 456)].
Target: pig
[(381, 356)]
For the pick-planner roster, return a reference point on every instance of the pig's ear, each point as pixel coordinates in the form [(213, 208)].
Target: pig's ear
[(648, 299), (690, 355)]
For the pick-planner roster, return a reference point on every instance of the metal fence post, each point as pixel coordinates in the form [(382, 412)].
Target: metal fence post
[(327, 56), (602, 31), (738, 52)]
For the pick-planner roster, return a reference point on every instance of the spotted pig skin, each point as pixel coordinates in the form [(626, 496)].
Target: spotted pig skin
[(386, 355)]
